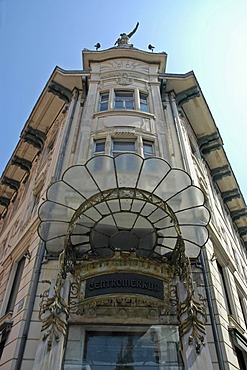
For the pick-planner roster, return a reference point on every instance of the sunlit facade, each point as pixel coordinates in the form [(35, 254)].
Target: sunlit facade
[(123, 229)]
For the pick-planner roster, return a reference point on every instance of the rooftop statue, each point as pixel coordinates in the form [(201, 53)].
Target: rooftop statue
[(124, 38)]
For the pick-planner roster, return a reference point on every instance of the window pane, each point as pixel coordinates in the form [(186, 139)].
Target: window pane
[(124, 100), (16, 284), (99, 146), (143, 102), (148, 148), (124, 145), (147, 349), (104, 101)]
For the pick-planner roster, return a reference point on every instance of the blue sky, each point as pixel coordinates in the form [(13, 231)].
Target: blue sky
[(206, 36)]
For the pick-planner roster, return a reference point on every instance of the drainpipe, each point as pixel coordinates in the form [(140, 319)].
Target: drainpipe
[(41, 247), (174, 116), (211, 312)]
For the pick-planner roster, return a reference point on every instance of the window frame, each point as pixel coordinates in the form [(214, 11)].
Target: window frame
[(13, 287), (121, 96), (121, 99), (95, 143), (115, 152), (147, 154), (104, 102), (143, 103)]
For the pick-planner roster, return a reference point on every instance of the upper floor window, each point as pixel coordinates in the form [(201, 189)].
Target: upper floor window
[(143, 102), (224, 288), (126, 145), (104, 101), (148, 148), (123, 146), (123, 99), (99, 146), (15, 285)]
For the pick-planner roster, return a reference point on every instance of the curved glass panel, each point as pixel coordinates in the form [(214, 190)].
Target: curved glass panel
[(188, 198), (103, 171), (195, 216), (62, 193), (79, 178), (152, 173), (127, 169), (125, 202)]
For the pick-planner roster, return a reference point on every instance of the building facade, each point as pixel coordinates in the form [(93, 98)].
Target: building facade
[(123, 229)]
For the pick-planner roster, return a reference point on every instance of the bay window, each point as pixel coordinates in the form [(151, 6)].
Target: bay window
[(115, 99)]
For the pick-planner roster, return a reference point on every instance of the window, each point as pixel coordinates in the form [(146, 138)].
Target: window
[(104, 101), (240, 357), (15, 285), (224, 289), (148, 148), (143, 102), (149, 349), (123, 146), (124, 100), (99, 147)]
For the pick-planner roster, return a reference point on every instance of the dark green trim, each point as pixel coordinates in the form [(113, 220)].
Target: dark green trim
[(24, 164), (238, 214), (4, 201), (242, 230), (11, 183), (209, 143), (34, 137), (229, 195), (219, 172), (186, 95), (61, 91)]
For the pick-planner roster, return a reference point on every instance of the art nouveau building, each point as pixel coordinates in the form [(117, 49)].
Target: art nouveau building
[(109, 257)]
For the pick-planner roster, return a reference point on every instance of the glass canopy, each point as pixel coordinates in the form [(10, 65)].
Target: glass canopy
[(124, 203)]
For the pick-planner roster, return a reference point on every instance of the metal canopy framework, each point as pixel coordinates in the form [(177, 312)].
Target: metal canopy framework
[(124, 203)]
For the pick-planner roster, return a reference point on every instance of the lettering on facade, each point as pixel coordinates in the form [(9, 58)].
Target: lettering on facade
[(124, 283)]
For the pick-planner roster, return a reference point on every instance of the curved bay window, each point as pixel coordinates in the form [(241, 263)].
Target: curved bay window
[(115, 99)]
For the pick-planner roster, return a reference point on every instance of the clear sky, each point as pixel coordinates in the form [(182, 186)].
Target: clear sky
[(206, 36)]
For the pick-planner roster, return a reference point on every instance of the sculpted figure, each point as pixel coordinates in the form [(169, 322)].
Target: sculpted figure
[(124, 38)]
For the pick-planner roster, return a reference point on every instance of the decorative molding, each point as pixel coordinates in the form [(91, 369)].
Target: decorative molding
[(229, 195), (124, 79), (34, 137), (239, 213), (209, 143), (54, 311), (186, 95), (24, 164), (11, 183), (4, 201), (219, 173), (62, 92), (120, 262), (125, 64), (192, 317)]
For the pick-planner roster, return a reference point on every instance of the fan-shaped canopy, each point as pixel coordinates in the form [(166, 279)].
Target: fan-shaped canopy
[(125, 203)]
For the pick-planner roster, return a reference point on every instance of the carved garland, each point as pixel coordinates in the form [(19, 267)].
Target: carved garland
[(54, 312)]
